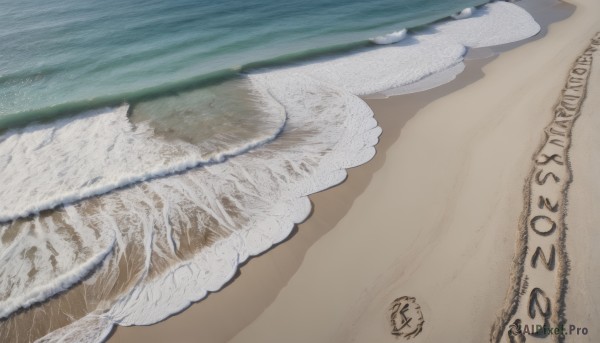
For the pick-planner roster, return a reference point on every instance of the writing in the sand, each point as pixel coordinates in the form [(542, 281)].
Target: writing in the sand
[(546, 220), (406, 318), (540, 300)]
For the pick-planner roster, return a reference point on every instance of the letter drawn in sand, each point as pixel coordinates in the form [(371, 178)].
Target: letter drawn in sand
[(545, 202), (406, 318), (546, 227), (537, 297), (539, 253), (542, 180), (552, 158), (558, 142)]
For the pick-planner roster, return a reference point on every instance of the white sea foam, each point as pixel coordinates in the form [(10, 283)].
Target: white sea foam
[(37, 288), (55, 258), (465, 13), (494, 24), (424, 53), (426, 83), (241, 205), (390, 38), (92, 328)]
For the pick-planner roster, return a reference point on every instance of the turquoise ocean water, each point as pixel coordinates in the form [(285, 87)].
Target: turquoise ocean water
[(69, 55)]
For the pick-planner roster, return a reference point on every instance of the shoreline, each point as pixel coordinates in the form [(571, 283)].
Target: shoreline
[(257, 285), (457, 201), (286, 256)]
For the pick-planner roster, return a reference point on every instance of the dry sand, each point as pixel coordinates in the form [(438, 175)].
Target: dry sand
[(434, 216)]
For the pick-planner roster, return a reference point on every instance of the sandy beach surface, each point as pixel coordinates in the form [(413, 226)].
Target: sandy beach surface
[(433, 216)]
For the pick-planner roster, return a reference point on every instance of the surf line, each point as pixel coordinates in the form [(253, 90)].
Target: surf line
[(535, 304)]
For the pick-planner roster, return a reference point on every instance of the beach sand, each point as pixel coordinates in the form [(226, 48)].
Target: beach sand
[(433, 216)]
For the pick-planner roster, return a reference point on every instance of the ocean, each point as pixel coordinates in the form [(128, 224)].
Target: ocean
[(147, 148), (65, 52)]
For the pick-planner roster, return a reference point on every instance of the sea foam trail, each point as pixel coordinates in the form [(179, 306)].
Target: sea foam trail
[(426, 83), (63, 274), (428, 51), (47, 165), (175, 238)]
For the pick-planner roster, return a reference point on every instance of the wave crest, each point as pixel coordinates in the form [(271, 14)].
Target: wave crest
[(390, 38), (465, 13)]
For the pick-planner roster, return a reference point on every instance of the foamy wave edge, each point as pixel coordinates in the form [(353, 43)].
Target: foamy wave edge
[(59, 284), (123, 180), (214, 267)]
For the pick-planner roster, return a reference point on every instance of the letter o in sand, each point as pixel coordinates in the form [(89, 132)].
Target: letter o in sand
[(545, 228)]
